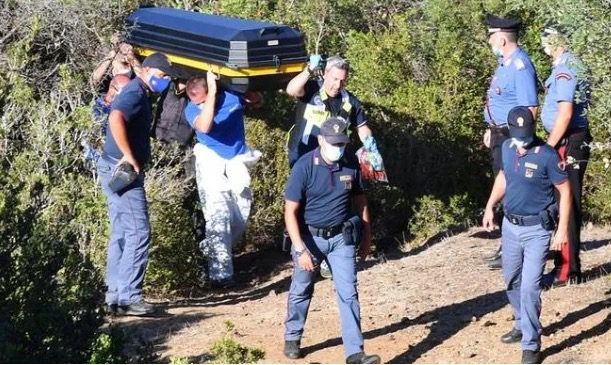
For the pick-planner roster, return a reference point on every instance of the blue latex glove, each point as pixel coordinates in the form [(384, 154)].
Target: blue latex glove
[(374, 156), (370, 144), (315, 62)]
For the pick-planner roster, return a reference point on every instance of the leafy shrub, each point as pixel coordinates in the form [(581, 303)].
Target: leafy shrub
[(228, 351), (108, 347)]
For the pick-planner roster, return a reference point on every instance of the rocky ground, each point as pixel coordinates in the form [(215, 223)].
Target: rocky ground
[(433, 304)]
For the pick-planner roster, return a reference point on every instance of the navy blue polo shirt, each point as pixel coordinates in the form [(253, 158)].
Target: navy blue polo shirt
[(135, 105), (531, 178), (324, 191)]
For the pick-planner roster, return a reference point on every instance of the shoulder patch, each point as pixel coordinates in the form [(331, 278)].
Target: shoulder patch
[(519, 64), (563, 76)]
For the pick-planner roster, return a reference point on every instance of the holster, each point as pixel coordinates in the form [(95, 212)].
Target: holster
[(353, 231), (549, 217)]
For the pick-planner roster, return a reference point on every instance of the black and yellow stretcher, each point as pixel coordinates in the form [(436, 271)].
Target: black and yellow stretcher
[(247, 54)]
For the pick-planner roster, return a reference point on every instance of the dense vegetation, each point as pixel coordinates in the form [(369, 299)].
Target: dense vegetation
[(421, 68)]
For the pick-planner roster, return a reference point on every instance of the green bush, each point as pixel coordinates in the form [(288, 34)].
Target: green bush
[(227, 350), (420, 69), (108, 347)]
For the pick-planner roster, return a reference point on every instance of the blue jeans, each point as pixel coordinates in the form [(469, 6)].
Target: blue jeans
[(524, 254), (129, 238), (342, 262)]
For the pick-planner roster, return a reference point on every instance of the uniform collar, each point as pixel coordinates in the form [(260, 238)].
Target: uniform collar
[(562, 59), (534, 148), (143, 85), (319, 161), (507, 62)]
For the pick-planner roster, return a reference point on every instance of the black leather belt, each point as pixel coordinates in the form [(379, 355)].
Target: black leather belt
[(523, 220), (327, 232), (497, 127)]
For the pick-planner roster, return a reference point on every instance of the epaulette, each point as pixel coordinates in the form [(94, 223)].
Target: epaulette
[(519, 64)]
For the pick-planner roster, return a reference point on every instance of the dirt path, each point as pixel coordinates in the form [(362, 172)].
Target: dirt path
[(434, 305)]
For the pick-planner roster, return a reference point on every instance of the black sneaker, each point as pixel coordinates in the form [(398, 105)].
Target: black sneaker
[(496, 264), (551, 280), (291, 349), (531, 357), (140, 308), (111, 309), (223, 284), (363, 358), (513, 336), (495, 256)]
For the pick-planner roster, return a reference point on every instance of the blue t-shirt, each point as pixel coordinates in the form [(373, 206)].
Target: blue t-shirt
[(100, 112), (566, 83), (531, 178), (324, 191), (135, 105), (226, 137), (514, 84)]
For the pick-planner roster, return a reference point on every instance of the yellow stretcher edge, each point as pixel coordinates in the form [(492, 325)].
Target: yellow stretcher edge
[(224, 70)]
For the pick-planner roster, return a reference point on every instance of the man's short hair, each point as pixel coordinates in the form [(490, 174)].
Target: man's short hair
[(196, 84), (337, 62), (511, 36)]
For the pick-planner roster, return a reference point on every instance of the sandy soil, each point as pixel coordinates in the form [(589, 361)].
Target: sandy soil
[(434, 304)]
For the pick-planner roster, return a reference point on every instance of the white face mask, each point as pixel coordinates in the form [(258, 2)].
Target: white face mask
[(332, 153), (521, 143)]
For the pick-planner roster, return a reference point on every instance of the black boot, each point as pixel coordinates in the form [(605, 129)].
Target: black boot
[(513, 336), (363, 358), (531, 357), (292, 350)]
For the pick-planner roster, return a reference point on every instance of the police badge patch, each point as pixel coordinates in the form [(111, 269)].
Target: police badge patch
[(347, 180), (530, 169)]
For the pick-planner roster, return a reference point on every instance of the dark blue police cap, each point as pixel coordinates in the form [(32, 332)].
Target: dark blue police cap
[(498, 24), (334, 130), (160, 61), (521, 122)]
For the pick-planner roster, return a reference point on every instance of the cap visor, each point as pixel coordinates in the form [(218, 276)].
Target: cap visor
[(519, 133), (341, 138)]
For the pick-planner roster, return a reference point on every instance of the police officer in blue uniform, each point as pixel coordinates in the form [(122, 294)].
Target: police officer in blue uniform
[(531, 169), (514, 84), (564, 118), (325, 182), (127, 141), (320, 100)]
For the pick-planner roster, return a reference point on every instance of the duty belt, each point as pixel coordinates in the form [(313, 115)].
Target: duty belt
[(523, 220), (327, 232)]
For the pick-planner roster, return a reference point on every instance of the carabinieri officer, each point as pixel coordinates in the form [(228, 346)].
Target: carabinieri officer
[(564, 118), (531, 170), (324, 183), (514, 84)]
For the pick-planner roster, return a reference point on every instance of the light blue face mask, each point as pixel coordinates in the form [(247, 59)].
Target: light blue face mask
[(333, 153), (159, 84), (497, 52)]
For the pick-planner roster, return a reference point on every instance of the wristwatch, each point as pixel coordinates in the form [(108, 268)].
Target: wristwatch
[(299, 253)]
